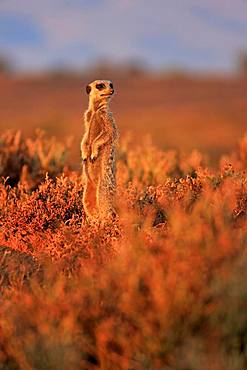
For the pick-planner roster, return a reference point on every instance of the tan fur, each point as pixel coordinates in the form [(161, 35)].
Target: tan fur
[(98, 153)]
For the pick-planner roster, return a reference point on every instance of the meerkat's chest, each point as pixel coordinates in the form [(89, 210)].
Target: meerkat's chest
[(96, 126)]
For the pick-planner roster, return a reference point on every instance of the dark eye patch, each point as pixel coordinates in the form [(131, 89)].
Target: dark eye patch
[(100, 86), (111, 85)]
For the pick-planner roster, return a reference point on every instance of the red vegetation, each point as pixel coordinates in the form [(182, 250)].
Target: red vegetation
[(162, 287)]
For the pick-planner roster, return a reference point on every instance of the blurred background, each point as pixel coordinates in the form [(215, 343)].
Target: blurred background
[(179, 69)]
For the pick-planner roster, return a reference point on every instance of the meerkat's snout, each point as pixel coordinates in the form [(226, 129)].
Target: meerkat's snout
[(111, 92)]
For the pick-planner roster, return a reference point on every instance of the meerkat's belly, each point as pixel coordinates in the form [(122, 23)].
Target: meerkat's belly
[(103, 167)]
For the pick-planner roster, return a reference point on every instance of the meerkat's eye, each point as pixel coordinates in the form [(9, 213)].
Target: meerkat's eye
[(100, 86), (111, 85)]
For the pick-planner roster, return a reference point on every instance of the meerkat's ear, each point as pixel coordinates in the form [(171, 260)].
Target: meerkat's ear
[(88, 89)]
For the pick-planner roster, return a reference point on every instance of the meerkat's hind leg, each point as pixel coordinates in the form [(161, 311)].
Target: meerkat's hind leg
[(106, 197), (89, 200)]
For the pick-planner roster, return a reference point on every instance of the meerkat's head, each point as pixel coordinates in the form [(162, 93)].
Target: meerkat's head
[(99, 90)]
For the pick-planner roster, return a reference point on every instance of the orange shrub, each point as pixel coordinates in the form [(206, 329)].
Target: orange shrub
[(161, 287)]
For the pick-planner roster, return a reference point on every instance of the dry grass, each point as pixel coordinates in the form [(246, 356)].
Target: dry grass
[(162, 287)]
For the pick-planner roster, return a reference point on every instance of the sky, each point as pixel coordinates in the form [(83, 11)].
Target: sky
[(203, 35)]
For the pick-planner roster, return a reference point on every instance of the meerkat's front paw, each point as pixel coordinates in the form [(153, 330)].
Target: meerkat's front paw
[(84, 157), (84, 152), (94, 154)]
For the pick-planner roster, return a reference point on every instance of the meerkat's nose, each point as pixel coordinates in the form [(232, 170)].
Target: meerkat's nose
[(112, 91)]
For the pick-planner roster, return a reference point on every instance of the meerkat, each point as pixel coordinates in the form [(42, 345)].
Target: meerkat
[(98, 152)]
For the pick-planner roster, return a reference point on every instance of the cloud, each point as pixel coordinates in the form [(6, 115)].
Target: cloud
[(160, 32)]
